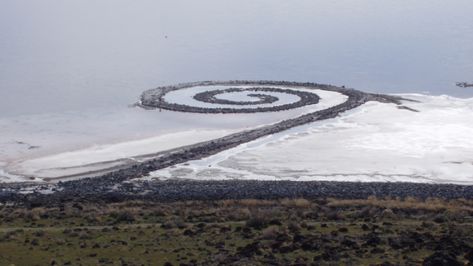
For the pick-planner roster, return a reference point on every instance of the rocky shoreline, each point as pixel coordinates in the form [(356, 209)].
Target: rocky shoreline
[(184, 190), (464, 84)]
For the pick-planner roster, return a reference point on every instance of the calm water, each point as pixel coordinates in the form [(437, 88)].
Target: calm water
[(60, 55)]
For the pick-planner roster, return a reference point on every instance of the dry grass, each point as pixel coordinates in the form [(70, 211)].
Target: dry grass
[(258, 211), (271, 232), (246, 203), (296, 203), (326, 230), (409, 203), (286, 202)]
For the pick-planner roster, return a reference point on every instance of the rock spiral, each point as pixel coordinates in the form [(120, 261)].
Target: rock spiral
[(212, 97), (228, 97)]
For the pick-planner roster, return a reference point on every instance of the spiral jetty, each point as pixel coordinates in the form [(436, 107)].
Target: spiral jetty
[(114, 185)]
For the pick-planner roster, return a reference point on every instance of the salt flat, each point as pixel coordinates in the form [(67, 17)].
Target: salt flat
[(61, 145), (374, 142)]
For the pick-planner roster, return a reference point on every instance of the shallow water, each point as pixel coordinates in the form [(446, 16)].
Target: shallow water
[(69, 55)]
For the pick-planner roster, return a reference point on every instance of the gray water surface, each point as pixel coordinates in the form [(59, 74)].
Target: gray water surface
[(60, 55)]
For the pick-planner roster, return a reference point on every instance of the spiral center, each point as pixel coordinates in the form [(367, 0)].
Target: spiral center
[(215, 97)]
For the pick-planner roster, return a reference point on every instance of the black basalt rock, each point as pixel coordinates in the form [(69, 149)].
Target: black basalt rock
[(441, 259)]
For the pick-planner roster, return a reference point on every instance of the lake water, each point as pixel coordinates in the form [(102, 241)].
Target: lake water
[(60, 55)]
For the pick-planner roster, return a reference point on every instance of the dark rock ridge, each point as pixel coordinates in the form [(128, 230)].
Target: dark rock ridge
[(182, 190), (113, 182), (464, 84)]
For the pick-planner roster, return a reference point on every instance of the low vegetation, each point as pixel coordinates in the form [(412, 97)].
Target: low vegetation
[(370, 231)]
